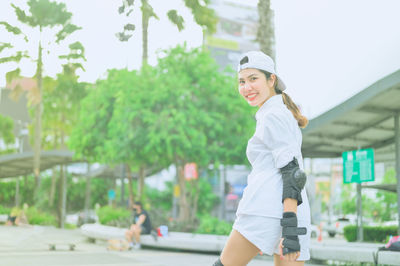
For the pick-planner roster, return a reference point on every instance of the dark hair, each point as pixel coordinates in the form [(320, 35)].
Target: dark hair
[(138, 203), (302, 121)]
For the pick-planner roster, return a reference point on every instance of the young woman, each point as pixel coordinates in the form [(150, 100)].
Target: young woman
[(141, 225), (274, 214)]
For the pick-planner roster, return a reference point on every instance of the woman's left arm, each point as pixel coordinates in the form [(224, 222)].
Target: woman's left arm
[(279, 139)]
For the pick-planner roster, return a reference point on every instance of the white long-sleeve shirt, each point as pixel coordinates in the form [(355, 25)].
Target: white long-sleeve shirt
[(276, 141)]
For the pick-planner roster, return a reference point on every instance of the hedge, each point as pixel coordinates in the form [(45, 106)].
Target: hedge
[(370, 233), (212, 225), (114, 216)]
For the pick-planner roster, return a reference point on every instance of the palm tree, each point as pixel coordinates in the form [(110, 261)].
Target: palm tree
[(265, 33), (203, 16), (42, 14)]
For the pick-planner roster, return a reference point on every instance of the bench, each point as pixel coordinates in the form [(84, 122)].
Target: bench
[(358, 253), (350, 252), (3, 218), (174, 240)]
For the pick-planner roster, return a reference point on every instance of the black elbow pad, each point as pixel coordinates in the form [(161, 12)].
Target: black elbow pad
[(294, 180)]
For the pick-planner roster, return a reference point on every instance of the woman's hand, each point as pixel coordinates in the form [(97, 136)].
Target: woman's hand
[(288, 257)]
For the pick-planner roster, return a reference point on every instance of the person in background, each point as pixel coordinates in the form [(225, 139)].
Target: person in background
[(141, 225), (13, 216), (18, 216)]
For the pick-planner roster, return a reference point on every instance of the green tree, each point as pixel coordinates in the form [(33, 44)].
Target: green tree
[(91, 136), (348, 199), (265, 32), (43, 15), (97, 108), (61, 101), (119, 133), (201, 117), (130, 140), (203, 16), (389, 199), (183, 110), (6, 130)]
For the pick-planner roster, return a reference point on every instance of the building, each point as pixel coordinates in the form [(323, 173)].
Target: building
[(236, 31)]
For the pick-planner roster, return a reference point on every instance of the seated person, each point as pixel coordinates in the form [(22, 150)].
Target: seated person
[(13, 217), (141, 225)]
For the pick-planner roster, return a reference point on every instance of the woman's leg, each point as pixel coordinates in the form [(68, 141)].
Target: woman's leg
[(136, 233), (279, 262), (238, 251), (129, 234)]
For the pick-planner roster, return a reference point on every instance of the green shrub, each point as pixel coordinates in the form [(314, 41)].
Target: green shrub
[(7, 192), (212, 225), (370, 233), (4, 210), (40, 218), (114, 216), (70, 226), (350, 233)]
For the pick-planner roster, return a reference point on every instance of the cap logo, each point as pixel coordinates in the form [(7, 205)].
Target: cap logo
[(244, 60)]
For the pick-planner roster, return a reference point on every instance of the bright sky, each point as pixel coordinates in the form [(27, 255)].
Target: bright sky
[(327, 50)]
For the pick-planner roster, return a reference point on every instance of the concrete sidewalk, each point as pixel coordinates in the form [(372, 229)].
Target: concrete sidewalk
[(21, 246)]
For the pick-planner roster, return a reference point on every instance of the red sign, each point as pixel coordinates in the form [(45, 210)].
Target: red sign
[(191, 171)]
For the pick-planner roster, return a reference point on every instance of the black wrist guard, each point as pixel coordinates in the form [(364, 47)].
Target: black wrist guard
[(290, 233), (294, 180)]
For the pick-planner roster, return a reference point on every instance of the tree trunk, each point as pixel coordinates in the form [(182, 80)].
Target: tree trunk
[(53, 187), (195, 200), (183, 204), (38, 125), (266, 33), (141, 183), (63, 184), (130, 181), (87, 195), (114, 187), (145, 26), (17, 196), (123, 186), (53, 177), (60, 211)]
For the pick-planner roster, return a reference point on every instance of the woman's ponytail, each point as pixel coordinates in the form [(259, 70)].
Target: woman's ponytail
[(301, 119)]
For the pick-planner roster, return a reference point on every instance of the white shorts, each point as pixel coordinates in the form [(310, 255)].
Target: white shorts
[(265, 233)]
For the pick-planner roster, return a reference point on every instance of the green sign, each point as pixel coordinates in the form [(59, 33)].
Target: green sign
[(358, 166)]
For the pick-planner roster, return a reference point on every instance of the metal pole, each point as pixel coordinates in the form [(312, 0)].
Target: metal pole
[(359, 214), (397, 145), (87, 194), (331, 194), (64, 196), (360, 236)]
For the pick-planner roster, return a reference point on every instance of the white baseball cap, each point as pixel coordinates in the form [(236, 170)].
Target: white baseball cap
[(261, 61)]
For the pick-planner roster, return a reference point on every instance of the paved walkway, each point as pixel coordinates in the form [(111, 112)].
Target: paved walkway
[(21, 246)]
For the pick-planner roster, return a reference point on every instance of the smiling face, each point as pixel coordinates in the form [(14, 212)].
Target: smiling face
[(254, 86)]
